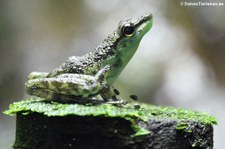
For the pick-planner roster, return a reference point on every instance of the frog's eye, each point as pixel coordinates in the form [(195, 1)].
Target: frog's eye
[(128, 30)]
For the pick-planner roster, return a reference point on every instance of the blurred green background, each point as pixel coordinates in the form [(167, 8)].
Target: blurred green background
[(180, 62)]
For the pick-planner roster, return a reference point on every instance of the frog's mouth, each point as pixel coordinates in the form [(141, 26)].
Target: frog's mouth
[(144, 23)]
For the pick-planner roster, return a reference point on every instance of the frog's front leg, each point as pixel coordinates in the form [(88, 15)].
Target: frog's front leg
[(78, 85)]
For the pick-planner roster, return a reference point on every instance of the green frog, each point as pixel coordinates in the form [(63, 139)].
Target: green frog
[(91, 77)]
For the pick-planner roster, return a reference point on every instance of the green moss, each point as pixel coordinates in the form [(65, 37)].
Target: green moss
[(183, 126), (127, 112)]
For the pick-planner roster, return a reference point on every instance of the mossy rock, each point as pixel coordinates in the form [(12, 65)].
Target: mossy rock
[(42, 124)]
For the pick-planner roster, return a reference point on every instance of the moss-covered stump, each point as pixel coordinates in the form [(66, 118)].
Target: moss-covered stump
[(42, 125)]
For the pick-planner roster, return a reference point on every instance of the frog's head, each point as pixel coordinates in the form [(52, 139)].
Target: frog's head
[(130, 33), (123, 43)]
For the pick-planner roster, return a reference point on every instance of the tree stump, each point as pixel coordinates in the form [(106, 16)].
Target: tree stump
[(51, 125)]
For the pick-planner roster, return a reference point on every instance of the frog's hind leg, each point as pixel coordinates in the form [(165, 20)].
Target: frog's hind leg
[(67, 84), (51, 96)]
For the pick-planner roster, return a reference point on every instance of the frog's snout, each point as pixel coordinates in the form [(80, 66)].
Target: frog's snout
[(148, 16)]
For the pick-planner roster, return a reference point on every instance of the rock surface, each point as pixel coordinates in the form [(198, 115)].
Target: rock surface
[(61, 126)]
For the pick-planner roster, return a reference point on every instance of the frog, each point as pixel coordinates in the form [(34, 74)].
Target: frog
[(91, 77)]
